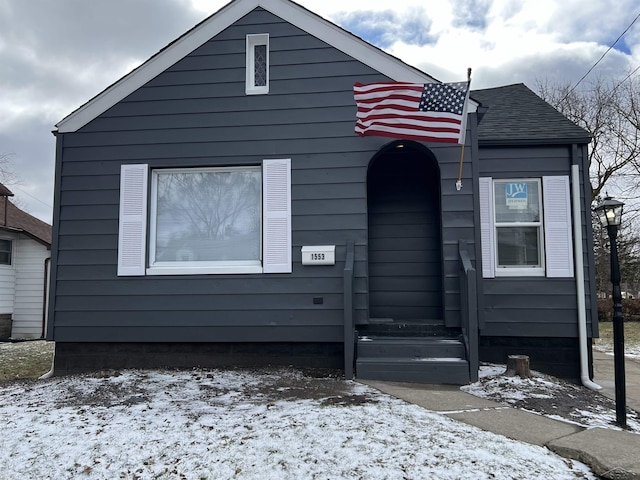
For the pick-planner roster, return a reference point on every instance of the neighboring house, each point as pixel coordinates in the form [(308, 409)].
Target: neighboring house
[(215, 207), (25, 251)]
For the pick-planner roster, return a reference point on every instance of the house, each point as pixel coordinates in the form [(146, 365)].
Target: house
[(215, 207), (25, 251)]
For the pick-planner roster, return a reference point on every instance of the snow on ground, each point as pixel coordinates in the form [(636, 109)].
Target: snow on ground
[(606, 346), (275, 424), (550, 396)]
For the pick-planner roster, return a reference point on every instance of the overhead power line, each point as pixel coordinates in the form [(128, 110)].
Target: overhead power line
[(29, 195), (600, 59), (625, 79)]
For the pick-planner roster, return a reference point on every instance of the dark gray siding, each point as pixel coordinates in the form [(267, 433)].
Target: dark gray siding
[(537, 306), (197, 114), (405, 252)]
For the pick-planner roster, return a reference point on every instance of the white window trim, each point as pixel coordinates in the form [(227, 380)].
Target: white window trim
[(183, 268), (252, 42), (276, 226), (204, 270), (556, 231), (520, 271)]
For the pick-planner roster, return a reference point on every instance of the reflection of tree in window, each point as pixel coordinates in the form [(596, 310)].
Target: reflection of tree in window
[(518, 246), (208, 216)]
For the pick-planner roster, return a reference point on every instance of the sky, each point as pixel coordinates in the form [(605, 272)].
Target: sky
[(54, 56)]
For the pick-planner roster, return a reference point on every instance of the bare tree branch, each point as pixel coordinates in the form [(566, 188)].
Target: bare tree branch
[(610, 113)]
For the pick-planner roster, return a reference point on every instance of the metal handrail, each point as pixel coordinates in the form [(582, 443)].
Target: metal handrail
[(469, 310)]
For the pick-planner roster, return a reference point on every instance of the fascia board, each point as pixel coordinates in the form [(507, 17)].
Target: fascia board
[(291, 12), (24, 232)]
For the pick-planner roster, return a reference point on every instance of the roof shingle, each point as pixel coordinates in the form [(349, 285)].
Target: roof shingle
[(17, 219), (516, 115)]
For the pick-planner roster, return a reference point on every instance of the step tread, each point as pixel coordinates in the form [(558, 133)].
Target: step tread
[(406, 321), (408, 340), (412, 360)]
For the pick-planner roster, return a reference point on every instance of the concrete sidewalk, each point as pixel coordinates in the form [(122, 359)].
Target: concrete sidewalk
[(604, 375), (611, 454)]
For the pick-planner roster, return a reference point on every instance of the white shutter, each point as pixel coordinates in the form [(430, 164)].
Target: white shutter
[(557, 226), (487, 236), (276, 201), (132, 234)]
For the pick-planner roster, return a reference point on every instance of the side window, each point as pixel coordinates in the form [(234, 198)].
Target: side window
[(525, 227), (257, 69), (518, 226), (6, 247)]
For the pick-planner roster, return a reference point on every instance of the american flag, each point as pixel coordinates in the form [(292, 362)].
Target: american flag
[(432, 112)]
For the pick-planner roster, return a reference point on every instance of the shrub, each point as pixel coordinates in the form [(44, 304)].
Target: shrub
[(630, 309)]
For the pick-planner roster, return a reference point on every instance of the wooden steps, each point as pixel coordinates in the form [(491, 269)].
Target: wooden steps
[(417, 352)]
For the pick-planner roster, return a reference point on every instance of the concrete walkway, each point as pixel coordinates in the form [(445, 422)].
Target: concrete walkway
[(604, 375), (611, 454)]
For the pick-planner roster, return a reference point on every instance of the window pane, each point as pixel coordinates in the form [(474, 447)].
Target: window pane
[(517, 201), (518, 246), (260, 65), (208, 216), (5, 252)]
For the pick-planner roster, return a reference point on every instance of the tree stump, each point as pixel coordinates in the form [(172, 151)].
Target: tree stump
[(518, 365)]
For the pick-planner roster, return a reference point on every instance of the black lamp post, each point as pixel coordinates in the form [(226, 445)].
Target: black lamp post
[(610, 214)]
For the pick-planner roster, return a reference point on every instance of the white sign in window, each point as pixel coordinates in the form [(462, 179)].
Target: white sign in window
[(516, 195)]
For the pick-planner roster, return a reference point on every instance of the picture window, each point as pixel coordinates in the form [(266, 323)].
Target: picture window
[(206, 217)]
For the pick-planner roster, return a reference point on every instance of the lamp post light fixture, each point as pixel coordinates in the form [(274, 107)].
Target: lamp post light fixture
[(610, 215)]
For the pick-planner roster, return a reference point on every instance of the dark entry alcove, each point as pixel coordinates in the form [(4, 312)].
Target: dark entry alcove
[(405, 254)]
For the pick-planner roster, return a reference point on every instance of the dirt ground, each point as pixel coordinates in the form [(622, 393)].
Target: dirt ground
[(26, 361)]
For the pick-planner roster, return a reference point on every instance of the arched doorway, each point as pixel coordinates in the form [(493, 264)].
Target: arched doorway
[(405, 252)]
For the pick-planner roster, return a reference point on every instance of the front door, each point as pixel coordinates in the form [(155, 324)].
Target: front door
[(405, 253)]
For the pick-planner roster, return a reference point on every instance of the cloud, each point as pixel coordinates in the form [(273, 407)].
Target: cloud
[(76, 48), (54, 56), (386, 27), (57, 55), (470, 13)]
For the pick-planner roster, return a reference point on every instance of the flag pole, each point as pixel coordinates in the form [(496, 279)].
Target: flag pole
[(459, 181)]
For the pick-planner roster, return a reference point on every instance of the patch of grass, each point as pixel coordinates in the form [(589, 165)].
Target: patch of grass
[(25, 360), (631, 338)]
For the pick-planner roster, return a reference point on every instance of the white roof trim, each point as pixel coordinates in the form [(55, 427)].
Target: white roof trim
[(289, 11)]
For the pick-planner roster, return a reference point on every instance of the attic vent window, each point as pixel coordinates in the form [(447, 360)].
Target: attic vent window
[(257, 81)]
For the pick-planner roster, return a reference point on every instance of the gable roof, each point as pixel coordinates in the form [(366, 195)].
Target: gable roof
[(287, 10), (516, 115), (14, 219)]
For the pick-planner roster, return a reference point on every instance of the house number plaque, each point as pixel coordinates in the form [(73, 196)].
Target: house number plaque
[(319, 255)]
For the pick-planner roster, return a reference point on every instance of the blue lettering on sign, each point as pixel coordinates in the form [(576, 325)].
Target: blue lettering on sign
[(516, 195), (516, 190)]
